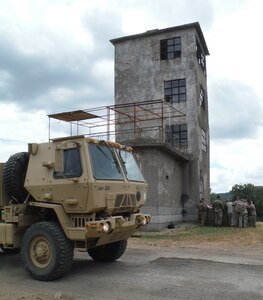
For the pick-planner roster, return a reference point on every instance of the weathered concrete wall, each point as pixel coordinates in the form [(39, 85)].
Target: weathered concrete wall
[(140, 76), (164, 174)]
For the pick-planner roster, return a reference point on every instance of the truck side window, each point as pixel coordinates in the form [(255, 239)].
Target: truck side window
[(71, 164)]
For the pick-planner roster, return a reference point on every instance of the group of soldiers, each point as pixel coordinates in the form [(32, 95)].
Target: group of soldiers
[(240, 213)]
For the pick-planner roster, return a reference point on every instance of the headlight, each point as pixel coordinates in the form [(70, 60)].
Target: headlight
[(148, 219), (144, 221), (104, 227)]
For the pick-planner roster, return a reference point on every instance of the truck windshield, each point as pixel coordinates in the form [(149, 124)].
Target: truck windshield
[(104, 163), (132, 170)]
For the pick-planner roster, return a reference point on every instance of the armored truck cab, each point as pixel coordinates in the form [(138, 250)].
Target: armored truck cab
[(70, 193)]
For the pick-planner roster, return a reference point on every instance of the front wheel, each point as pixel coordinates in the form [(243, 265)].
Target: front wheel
[(108, 252), (46, 252)]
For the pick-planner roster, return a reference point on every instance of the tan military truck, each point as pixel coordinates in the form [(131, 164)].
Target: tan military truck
[(69, 194)]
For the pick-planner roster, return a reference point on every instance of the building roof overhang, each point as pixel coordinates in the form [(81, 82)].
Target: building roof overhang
[(153, 32)]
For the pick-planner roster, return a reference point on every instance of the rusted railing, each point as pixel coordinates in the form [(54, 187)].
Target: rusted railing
[(143, 136)]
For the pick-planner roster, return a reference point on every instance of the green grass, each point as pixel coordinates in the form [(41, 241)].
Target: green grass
[(197, 233)]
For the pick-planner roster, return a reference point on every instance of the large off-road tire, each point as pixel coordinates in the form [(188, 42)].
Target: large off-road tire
[(14, 174), (108, 252), (46, 252)]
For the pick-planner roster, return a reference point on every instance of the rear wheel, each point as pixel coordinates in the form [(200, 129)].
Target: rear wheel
[(46, 252), (108, 252)]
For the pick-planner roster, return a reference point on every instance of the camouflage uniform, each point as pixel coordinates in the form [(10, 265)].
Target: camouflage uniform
[(252, 214), (239, 208), (218, 210), (230, 213), (202, 212), (245, 214)]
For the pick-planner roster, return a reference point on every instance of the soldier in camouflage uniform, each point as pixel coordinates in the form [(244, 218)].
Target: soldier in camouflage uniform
[(252, 214), (239, 210), (218, 211), (245, 214), (230, 213), (202, 211)]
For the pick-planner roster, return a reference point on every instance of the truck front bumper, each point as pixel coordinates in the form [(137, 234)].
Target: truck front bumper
[(109, 230)]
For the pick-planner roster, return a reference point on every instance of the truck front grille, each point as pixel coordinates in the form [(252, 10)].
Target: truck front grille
[(79, 221)]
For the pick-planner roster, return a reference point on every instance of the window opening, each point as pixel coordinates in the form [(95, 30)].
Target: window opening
[(201, 57), (202, 97), (175, 90), (171, 48), (71, 164), (177, 135), (203, 140)]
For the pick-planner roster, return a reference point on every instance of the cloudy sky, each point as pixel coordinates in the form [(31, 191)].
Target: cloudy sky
[(55, 56)]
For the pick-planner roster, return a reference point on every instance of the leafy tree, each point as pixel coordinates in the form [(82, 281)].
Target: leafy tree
[(245, 191)]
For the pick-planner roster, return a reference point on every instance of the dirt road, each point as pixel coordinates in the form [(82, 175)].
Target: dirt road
[(150, 269)]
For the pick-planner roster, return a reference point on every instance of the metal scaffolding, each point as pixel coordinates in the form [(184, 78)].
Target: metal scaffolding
[(128, 123)]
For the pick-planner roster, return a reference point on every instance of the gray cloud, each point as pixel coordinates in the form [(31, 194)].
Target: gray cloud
[(63, 76), (32, 79), (35, 74), (103, 26), (235, 111)]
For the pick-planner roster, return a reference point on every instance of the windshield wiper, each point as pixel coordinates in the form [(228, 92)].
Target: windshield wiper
[(123, 163)]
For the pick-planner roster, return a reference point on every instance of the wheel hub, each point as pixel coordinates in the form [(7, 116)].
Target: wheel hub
[(40, 252)]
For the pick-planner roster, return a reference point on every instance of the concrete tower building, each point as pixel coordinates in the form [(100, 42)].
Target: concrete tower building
[(162, 111)]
